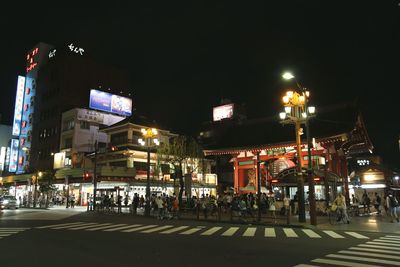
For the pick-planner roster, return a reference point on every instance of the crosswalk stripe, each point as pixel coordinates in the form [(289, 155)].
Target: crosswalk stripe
[(80, 227), (157, 229), (379, 243), (105, 227), (311, 233), (122, 227), (5, 234), (371, 260), (390, 238), (211, 231), (269, 232), (333, 234), (369, 254), (386, 241), (55, 225), (251, 231), (305, 265), (375, 250), (139, 228), (9, 232), (192, 231), (380, 247), (343, 263), (393, 236), (357, 235), (67, 226), (14, 228), (230, 232), (173, 230), (289, 232)]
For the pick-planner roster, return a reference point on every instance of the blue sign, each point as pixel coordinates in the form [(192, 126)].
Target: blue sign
[(110, 103), (13, 155)]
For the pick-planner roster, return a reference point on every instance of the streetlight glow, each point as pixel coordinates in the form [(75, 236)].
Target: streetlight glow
[(311, 109), (285, 99), (282, 115), (289, 94), (287, 76), (288, 109)]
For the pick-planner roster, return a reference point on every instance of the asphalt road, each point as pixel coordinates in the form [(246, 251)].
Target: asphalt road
[(87, 239)]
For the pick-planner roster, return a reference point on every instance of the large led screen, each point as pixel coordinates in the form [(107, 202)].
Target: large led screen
[(14, 155), (223, 112), (110, 103)]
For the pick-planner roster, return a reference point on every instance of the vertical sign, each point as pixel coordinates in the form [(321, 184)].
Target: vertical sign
[(2, 157), (18, 106), (13, 155)]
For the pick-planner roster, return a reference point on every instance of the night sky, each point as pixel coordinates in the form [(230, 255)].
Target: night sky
[(183, 58)]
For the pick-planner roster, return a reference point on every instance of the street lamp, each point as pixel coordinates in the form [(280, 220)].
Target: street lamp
[(150, 139), (35, 180), (298, 112)]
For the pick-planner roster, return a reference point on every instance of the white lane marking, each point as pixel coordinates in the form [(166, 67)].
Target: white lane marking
[(375, 250), (380, 247), (55, 225), (269, 232), (311, 233), (343, 263), (333, 234), (80, 227), (370, 260), (251, 231), (289, 232), (305, 265), (357, 235), (105, 227), (211, 231), (192, 231), (230, 232), (369, 254), (173, 230), (385, 244), (152, 230), (122, 227), (5, 234), (393, 236), (386, 241), (14, 228), (67, 226), (139, 228), (390, 238)]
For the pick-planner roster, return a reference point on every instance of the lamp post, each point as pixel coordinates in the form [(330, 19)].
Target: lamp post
[(35, 178), (298, 112), (150, 138)]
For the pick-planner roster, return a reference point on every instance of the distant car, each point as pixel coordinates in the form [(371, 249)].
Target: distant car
[(8, 202)]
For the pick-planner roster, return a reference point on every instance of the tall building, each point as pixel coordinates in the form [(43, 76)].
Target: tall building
[(57, 79)]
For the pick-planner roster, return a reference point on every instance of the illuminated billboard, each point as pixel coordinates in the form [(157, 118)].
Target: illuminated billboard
[(223, 112), (3, 151), (110, 103), (16, 130), (13, 155), (59, 160)]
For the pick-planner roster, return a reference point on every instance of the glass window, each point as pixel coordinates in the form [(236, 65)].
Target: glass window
[(119, 138), (84, 125)]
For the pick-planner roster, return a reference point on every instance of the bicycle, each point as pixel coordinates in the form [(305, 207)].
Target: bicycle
[(336, 216)]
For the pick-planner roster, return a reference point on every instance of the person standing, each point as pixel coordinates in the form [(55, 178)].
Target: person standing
[(377, 203), (286, 204), (340, 202), (392, 203)]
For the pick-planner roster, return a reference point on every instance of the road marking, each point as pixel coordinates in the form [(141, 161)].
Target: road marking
[(80, 227), (388, 242), (371, 260), (6, 234), (230, 232), (67, 226), (394, 236), (374, 250), (357, 235), (105, 227), (289, 232), (368, 254), (14, 228), (390, 238), (378, 243), (192, 231), (269, 232), (122, 227), (333, 234), (170, 231), (211, 231), (55, 225), (251, 231), (311, 233), (343, 263), (139, 228), (305, 265), (157, 229), (380, 247)]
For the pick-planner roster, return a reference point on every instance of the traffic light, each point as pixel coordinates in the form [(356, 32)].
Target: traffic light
[(87, 175)]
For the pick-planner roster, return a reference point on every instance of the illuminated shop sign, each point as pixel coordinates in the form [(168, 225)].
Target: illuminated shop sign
[(31, 60), (75, 49), (13, 155), (18, 106), (223, 112), (362, 162), (59, 160), (52, 53), (3, 150), (110, 103)]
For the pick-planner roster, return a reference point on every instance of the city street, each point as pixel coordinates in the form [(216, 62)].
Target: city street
[(91, 239)]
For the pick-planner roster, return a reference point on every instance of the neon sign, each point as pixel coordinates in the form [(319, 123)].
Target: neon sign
[(75, 49), (13, 155), (18, 106), (52, 53), (30, 60)]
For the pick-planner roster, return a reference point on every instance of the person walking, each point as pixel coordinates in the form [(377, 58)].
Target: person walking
[(286, 204), (340, 202), (160, 206), (392, 204), (377, 203), (366, 201)]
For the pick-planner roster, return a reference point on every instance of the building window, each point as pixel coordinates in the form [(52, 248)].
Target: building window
[(85, 125), (68, 142), (119, 138), (68, 125), (118, 164)]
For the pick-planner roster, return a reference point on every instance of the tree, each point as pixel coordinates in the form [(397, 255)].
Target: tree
[(46, 186), (180, 150)]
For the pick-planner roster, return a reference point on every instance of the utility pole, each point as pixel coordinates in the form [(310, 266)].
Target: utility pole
[(95, 176), (259, 186), (300, 177)]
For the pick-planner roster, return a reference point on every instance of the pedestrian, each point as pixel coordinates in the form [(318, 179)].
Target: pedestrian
[(73, 201), (119, 204), (377, 203), (271, 206), (160, 206), (126, 200), (286, 204), (340, 202), (366, 201), (392, 204)]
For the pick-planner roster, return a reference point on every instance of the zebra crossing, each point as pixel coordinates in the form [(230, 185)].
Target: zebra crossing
[(8, 231), (383, 251), (223, 231)]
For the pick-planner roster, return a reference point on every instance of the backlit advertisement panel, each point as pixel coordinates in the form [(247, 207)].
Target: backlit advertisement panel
[(59, 160), (110, 103), (18, 106), (223, 112), (13, 155), (3, 150)]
